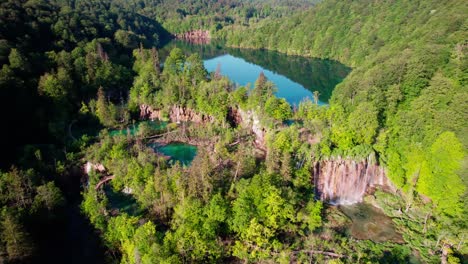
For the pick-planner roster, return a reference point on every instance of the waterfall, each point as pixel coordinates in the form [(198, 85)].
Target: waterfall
[(345, 181)]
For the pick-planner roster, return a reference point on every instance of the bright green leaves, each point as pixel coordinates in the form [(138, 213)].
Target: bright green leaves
[(359, 128), (439, 178), (260, 213), (120, 228), (340, 133), (55, 86), (94, 206), (196, 228), (48, 196), (194, 69), (255, 243), (262, 91), (311, 215), (434, 171), (138, 243), (264, 211), (363, 123), (240, 96), (212, 98), (148, 80), (174, 64), (278, 108)]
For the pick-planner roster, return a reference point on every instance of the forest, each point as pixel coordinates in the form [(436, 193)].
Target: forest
[(92, 109)]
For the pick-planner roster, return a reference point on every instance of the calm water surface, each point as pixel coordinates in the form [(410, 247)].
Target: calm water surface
[(369, 222), (295, 77), (133, 129), (177, 151)]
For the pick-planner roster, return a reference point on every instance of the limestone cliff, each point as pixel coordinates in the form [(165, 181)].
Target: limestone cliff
[(148, 112), (345, 181), (176, 114), (195, 36), (89, 166), (249, 119)]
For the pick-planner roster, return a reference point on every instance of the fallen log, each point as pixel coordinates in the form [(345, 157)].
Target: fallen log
[(106, 179), (326, 253), (160, 135)]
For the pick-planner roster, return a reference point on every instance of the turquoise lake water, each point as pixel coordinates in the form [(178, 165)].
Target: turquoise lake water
[(177, 151), (295, 77), (244, 73), (132, 129)]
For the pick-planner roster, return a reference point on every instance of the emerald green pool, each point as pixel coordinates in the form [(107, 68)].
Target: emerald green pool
[(177, 151), (133, 129), (124, 203)]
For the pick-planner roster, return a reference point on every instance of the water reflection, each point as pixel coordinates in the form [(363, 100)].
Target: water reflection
[(291, 73)]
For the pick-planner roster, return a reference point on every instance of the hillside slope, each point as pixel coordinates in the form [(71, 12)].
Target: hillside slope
[(410, 66)]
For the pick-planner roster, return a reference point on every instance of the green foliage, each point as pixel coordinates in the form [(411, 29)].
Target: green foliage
[(439, 174), (94, 206), (196, 227), (405, 100), (14, 238), (259, 213), (48, 196), (311, 215), (137, 243), (212, 98), (55, 85), (262, 91), (16, 59), (194, 69), (278, 108), (363, 123), (147, 82), (175, 63)]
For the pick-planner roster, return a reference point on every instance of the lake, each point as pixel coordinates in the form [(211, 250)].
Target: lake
[(295, 77)]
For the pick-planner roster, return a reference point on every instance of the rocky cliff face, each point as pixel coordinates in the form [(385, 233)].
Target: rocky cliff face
[(344, 181), (184, 114), (249, 119), (89, 166), (176, 114), (147, 112), (195, 36)]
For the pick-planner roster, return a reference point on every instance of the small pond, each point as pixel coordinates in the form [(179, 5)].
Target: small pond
[(133, 129), (369, 222), (177, 151), (124, 203)]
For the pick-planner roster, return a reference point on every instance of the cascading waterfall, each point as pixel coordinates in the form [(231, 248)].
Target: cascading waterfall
[(345, 181)]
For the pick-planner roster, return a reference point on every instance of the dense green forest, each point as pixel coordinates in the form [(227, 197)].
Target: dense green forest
[(74, 72), (181, 16), (410, 77)]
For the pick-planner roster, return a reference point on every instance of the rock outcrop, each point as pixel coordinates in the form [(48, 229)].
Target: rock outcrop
[(147, 112), (184, 114), (345, 181), (89, 166), (195, 36), (249, 119), (176, 114)]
